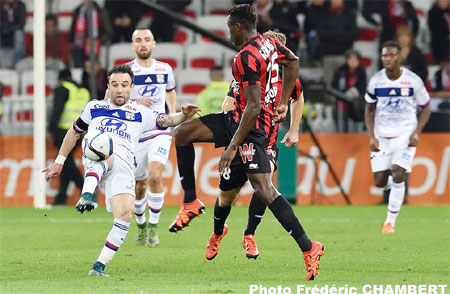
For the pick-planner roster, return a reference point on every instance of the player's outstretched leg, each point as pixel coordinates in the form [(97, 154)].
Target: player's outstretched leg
[(282, 210), (185, 135), (256, 211), (122, 208)]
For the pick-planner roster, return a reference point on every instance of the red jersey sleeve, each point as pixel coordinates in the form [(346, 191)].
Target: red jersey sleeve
[(248, 68), (297, 90), (282, 50)]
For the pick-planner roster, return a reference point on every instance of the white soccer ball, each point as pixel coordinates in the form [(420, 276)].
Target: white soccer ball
[(97, 145)]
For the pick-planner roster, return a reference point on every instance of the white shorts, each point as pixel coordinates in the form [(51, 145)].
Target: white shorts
[(155, 148), (118, 180), (393, 151)]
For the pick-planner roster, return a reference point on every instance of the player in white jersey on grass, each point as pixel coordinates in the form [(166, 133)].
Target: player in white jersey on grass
[(125, 120), (154, 86), (393, 96)]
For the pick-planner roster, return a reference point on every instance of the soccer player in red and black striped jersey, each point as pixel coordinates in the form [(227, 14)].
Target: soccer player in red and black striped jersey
[(247, 129)]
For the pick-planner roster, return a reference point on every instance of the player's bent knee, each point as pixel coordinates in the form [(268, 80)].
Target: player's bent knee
[(154, 180), (398, 174), (181, 135)]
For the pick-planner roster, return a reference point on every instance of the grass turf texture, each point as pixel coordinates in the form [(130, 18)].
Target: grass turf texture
[(51, 251)]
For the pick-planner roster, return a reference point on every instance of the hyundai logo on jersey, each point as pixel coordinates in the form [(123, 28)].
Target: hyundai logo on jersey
[(114, 123), (114, 126), (149, 91)]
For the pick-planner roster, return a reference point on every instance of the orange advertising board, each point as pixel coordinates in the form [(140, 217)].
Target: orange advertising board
[(347, 153)]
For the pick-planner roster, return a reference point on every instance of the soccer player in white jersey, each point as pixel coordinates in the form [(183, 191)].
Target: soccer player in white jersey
[(154, 86), (393, 96), (125, 120)]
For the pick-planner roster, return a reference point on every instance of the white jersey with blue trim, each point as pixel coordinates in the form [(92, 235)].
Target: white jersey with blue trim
[(125, 123), (152, 82), (396, 102)]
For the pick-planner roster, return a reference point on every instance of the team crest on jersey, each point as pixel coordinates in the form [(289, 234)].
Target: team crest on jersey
[(404, 91), (160, 79), (129, 115), (246, 152)]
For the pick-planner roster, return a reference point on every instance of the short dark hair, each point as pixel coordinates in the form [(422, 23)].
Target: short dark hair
[(51, 17), (391, 44), (244, 14), (121, 68)]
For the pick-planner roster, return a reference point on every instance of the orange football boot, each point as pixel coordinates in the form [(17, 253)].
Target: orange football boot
[(212, 249), (312, 259), (249, 244), (387, 229), (186, 213)]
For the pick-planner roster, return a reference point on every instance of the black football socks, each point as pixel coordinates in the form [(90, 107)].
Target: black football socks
[(220, 216), (284, 213), (185, 160), (256, 211)]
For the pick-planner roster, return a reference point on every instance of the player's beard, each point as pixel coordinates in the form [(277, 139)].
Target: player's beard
[(144, 56)]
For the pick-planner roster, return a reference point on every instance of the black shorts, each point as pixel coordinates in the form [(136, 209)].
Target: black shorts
[(251, 156)]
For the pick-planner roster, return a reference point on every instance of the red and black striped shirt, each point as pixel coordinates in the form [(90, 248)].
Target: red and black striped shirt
[(257, 64)]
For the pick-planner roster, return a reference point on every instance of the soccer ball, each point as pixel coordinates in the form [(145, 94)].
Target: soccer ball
[(97, 145)]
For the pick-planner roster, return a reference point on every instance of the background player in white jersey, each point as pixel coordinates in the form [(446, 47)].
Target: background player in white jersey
[(154, 86), (393, 96), (126, 121)]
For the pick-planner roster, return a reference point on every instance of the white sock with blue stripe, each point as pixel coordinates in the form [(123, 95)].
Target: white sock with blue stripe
[(92, 176), (114, 240), (139, 210), (395, 202), (155, 203)]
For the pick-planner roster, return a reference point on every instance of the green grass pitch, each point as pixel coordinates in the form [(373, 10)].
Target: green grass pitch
[(51, 251)]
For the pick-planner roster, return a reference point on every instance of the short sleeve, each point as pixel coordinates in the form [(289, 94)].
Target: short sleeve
[(249, 68), (230, 92), (170, 81), (82, 123), (370, 92), (421, 94), (282, 50), (297, 90), (149, 120)]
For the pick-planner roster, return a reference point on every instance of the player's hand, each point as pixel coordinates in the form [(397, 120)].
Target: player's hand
[(189, 110), (280, 112), (52, 170), (374, 144), (145, 101), (290, 139), (226, 158), (414, 139)]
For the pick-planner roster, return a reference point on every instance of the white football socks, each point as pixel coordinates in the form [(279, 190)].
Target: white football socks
[(395, 202), (139, 210), (114, 240), (93, 175), (155, 203)]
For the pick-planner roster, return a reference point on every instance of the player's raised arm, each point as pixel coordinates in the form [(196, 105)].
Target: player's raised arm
[(68, 143), (172, 120)]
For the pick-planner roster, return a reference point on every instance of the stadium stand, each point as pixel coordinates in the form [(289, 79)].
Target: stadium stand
[(10, 80), (189, 83), (171, 53), (215, 23), (204, 55)]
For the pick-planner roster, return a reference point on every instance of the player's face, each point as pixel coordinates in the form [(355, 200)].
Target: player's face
[(390, 57), (143, 43), (120, 86), (235, 30)]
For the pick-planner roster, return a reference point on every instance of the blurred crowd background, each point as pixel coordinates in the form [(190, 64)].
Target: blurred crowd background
[(337, 41)]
